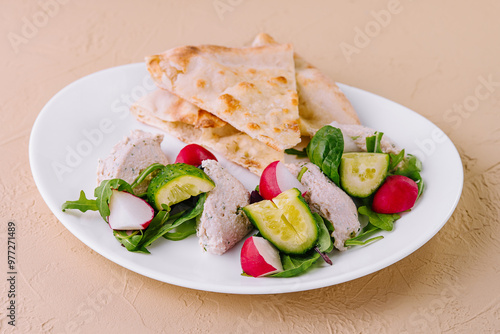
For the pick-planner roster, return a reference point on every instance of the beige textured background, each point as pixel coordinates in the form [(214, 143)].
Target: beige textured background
[(429, 55)]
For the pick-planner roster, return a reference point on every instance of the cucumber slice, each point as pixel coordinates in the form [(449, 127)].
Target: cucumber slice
[(362, 173), (286, 221), (176, 183)]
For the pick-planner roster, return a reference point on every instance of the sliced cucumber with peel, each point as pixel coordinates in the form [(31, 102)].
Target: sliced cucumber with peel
[(176, 183), (286, 221), (362, 173)]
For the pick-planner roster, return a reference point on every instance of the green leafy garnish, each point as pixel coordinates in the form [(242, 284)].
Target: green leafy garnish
[(411, 167), (103, 194), (83, 204), (299, 153), (395, 159), (130, 241), (161, 225), (325, 150), (104, 191), (182, 231), (301, 173), (358, 240), (325, 243), (373, 143), (294, 265), (142, 176), (380, 220)]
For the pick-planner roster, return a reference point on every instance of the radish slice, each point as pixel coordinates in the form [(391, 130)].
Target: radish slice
[(275, 179), (260, 258), (287, 180), (129, 212), (194, 155)]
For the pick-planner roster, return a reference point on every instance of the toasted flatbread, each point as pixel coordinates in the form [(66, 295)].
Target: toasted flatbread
[(320, 99), (252, 88), (233, 144), (168, 107)]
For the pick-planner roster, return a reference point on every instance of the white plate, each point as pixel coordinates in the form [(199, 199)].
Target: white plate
[(83, 121)]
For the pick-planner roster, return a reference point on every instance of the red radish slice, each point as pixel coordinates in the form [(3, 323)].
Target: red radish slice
[(129, 212), (275, 179), (259, 257), (194, 154), (398, 193)]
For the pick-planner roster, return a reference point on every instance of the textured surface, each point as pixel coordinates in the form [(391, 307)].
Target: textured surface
[(438, 58)]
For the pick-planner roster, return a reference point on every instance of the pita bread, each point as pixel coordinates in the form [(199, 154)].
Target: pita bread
[(168, 107), (234, 145), (253, 88), (320, 99)]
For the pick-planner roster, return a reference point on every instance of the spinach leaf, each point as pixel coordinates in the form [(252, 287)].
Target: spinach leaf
[(380, 220), (182, 231), (325, 150), (373, 143), (191, 214), (299, 153), (411, 168), (295, 265), (83, 204), (325, 244)]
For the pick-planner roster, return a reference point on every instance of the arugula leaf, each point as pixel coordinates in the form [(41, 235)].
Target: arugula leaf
[(104, 191), (395, 159), (150, 169), (154, 230), (83, 204), (380, 220), (373, 143), (325, 150), (367, 230), (299, 153), (356, 242), (131, 241)]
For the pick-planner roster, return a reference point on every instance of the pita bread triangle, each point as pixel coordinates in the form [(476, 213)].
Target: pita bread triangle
[(168, 107), (253, 88), (181, 119), (320, 99)]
